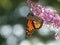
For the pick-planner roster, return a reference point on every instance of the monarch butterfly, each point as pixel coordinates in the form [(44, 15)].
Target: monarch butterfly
[(33, 23)]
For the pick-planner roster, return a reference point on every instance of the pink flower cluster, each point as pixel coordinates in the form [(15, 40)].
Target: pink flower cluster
[(57, 36), (49, 16)]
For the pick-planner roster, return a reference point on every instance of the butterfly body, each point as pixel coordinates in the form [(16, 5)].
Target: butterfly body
[(33, 23)]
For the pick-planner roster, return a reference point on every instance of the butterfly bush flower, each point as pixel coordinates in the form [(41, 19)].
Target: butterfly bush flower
[(50, 16), (57, 36)]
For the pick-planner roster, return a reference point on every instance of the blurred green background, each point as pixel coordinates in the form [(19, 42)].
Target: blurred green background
[(13, 19)]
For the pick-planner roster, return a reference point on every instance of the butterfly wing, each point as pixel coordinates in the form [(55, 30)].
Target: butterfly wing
[(37, 25), (37, 22), (30, 27)]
